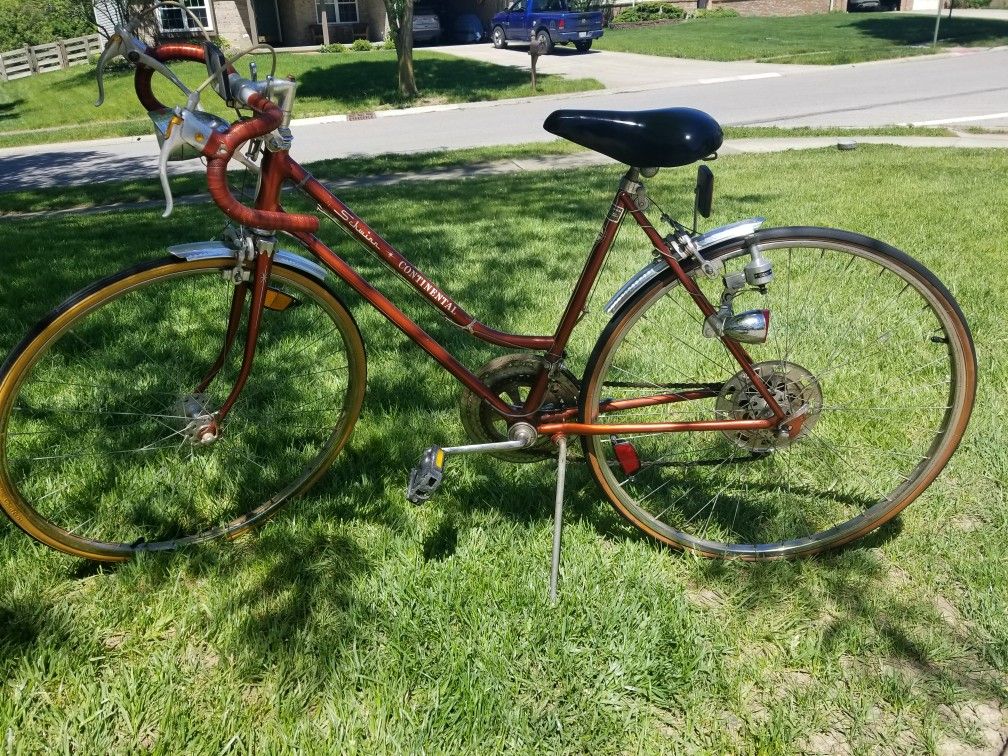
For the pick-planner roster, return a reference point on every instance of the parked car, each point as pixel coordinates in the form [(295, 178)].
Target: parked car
[(868, 5), (426, 25), (551, 22), (466, 28)]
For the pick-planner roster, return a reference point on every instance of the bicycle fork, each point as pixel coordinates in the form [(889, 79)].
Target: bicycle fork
[(263, 248)]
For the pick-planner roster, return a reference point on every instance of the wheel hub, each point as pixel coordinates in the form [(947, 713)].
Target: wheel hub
[(793, 387), (196, 421)]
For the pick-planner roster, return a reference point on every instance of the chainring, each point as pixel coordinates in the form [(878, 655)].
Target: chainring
[(511, 377)]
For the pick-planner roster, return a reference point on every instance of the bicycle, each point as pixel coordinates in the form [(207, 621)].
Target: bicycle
[(128, 422)]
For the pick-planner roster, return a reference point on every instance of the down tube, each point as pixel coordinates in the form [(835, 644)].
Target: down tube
[(399, 319)]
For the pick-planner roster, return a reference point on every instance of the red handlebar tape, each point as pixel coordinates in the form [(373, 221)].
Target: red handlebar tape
[(220, 147)]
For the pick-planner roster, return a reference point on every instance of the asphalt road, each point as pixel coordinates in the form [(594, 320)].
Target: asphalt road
[(958, 89)]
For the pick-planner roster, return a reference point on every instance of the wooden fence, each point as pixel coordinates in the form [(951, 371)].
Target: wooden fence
[(54, 56)]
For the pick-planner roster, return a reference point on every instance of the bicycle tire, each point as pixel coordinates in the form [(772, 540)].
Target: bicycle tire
[(795, 508), (94, 456)]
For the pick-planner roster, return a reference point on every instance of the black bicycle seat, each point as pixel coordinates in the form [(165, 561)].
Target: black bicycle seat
[(641, 138)]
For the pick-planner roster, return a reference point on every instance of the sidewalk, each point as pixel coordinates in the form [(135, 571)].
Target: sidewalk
[(565, 162)]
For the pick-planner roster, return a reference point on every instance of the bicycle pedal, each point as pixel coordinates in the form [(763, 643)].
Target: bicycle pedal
[(425, 479)]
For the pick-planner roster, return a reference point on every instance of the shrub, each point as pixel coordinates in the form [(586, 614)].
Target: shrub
[(715, 13), (361, 45), (971, 3), (335, 47), (650, 12), (36, 23), (389, 44)]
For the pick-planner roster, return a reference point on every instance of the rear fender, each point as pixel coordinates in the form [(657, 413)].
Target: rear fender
[(712, 238)]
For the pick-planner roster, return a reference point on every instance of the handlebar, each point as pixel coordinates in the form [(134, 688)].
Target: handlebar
[(220, 147)]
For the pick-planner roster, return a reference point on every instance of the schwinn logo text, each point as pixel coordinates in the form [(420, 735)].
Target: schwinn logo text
[(358, 227), (427, 287)]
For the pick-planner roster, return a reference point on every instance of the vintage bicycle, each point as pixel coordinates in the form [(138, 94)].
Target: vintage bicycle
[(161, 406)]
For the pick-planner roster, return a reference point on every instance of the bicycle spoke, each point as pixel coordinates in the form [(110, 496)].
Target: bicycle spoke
[(876, 401)]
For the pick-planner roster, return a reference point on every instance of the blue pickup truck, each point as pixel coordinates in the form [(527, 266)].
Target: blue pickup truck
[(551, 22)]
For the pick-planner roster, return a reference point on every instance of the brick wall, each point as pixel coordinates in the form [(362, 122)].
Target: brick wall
[(296, 16), (232, 23), (779, 7)]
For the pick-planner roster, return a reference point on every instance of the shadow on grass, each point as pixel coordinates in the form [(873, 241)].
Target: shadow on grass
[(301, 572), (10, 109), (906, 29), (854, 598), (459, 80)]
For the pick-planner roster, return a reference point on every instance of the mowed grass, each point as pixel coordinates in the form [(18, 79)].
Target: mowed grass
[(824, 39), (105, 194), (355, 621), (59, 106)]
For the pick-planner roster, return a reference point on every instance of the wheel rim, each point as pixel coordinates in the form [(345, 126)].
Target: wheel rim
[(96, 458), (867, 455)]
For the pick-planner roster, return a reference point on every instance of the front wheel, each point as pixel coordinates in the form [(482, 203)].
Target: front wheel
[(499, 38), (583, 45), (100, 449), (866, 346)]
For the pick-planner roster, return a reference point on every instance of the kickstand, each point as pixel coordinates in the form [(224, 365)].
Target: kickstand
[(561, 442)]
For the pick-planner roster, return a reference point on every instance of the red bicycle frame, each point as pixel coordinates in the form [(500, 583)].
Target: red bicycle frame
[(278, 167)]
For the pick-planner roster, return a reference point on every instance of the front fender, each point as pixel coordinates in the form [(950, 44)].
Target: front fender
[(214, 249), (714, 237)]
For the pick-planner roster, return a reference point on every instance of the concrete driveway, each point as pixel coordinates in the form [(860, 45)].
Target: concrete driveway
[(623, 71)]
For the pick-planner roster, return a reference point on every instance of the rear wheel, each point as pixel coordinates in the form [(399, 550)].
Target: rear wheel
[(865, 345), (545, 41), (99, 418), (499, 38), (583, 45)]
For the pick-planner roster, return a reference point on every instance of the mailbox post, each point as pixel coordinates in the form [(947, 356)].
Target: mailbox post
[(535, 50)]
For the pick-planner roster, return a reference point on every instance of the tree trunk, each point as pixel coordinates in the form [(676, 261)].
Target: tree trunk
[(404, 55)]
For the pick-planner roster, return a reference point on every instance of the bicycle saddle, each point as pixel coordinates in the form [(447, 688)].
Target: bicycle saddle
[(640, 138)]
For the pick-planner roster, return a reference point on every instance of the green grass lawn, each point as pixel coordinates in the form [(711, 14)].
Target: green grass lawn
[(59, 106), (146, 190), (357, 622), (826, 39)]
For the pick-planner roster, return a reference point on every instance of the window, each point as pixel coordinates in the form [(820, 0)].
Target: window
[(174, 19), (338, 11)]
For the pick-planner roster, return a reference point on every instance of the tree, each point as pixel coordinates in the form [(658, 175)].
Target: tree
[(400, 17), (36, 23)]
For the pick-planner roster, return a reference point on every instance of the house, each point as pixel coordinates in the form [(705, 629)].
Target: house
[(278, 22)]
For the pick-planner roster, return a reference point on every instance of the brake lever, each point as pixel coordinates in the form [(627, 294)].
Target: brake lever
[(113, 49), (173, 136), (124, 43), (138, 56)]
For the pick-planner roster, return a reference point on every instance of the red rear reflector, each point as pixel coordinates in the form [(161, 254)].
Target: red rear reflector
[(561, 24), (627, 457)]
